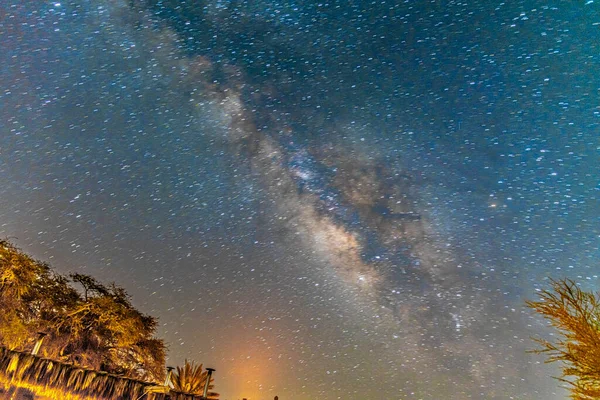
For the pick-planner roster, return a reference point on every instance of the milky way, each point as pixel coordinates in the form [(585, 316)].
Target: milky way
[(320, 200)]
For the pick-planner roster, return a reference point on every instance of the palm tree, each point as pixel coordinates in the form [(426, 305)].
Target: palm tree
[(191, 379)]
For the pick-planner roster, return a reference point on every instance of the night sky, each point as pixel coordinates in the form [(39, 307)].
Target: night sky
[(335, 200)]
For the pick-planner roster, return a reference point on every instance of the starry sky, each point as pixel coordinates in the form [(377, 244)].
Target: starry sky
[(333, 200)]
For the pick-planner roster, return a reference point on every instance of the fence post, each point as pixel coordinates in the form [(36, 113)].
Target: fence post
[(38, 344)]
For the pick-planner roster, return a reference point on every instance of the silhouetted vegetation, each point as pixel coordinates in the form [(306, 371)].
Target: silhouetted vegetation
[(576, 316)]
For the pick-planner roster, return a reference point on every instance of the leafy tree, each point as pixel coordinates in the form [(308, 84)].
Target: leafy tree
[(106, 332), (191, 379), (27, 293), (90, 324), (97, 327), (576, 316), (90, 286)]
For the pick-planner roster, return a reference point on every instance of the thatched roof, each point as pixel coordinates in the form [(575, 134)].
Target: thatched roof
[(57, 380)]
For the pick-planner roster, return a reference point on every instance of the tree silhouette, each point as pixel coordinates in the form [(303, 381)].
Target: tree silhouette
[(576, 316)]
